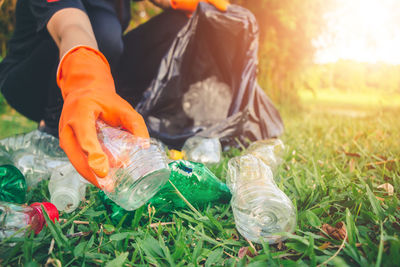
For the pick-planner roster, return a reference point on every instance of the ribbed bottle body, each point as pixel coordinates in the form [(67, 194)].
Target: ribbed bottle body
[(261, 210), (138, 167)]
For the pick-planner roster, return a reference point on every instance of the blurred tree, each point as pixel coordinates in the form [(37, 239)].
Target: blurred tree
[(287, 28), (7, 21), (141, 12)]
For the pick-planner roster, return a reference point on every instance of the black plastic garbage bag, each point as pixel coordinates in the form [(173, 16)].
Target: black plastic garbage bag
[(206, 84)]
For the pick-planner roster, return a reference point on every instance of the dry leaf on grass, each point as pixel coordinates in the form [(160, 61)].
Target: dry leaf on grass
[(388, 164), (338, 232), (280, 245), (388, 188), (53, 262), (350, 154), (243, 251), (325, 245)]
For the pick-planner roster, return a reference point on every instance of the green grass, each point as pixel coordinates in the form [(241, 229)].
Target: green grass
[(334, 163)]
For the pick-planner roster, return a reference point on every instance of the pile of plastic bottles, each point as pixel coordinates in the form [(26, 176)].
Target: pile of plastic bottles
[(140, 173)]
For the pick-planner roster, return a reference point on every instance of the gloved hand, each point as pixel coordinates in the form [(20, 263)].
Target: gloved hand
[(191, 5), (88, 90)]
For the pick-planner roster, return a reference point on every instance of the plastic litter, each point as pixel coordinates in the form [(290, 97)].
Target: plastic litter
[(261, 210), (12, 185), (270, 151), (16, 219), (195, 182), (202, 149), (207, 83), (138, 167), (216, 97), (36, 154), (67, 188)]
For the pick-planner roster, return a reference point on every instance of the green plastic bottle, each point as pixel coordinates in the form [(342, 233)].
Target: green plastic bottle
[(12, 185), (194, 181), (115, 212)]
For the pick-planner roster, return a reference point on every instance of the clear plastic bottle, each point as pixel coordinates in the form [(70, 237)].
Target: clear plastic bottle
[(260, 208), (36, 154), (67, 188), (270, 151), (16, 219), (202, 149), (138, 167)]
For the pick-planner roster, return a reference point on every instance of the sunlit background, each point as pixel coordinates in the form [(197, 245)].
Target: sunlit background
[(308, 48), (361, 30)]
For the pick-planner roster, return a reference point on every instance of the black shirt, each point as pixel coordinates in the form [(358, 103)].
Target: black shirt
[(32, 17)]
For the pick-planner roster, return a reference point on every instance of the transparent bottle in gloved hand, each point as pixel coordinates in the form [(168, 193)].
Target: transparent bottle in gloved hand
[(67, 188), (261, 210), (138, 167)]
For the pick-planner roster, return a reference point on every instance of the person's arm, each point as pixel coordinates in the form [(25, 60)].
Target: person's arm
[(71, 27), (88, 90)]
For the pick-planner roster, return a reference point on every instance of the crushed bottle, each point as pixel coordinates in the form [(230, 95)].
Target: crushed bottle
[(195, 182), (202, 149), (67, 188), (16, 219), (199, 186), (270, 151), (36, 154), (261, 210), (138, 167), (12, 185)]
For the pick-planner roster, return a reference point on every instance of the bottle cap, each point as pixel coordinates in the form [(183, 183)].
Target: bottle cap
[(52, 212)]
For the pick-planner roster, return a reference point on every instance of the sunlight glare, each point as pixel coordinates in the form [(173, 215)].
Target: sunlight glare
[(361, 30)]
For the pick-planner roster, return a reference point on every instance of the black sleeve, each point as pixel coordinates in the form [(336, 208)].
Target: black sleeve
[(43, 10)]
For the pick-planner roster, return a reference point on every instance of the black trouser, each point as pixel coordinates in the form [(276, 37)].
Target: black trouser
[(31, 86)]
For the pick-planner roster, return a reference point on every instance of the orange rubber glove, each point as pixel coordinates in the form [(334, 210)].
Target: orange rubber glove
[(191, 5), (87, 87)]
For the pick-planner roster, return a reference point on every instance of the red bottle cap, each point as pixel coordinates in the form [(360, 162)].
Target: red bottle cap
[(37, 222)]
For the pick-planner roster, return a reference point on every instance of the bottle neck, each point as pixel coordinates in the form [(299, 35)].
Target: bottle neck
[(36, 219)]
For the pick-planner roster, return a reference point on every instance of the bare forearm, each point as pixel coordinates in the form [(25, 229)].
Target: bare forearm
[(71, 27), (74, 36)]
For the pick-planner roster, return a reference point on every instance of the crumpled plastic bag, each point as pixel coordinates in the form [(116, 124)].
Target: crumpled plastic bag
[(207, 83)]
